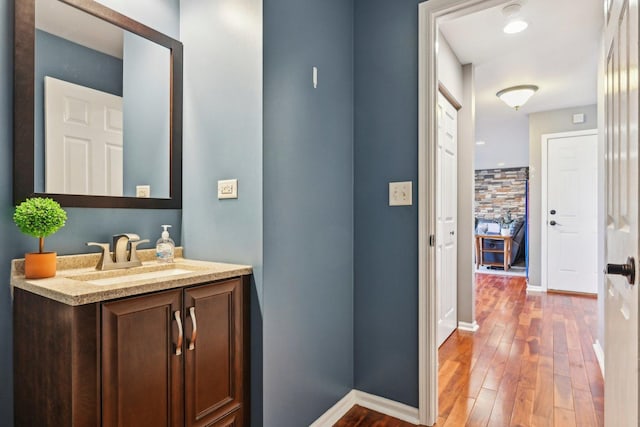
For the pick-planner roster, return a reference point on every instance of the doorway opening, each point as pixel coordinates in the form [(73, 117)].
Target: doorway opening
[(433, 15)]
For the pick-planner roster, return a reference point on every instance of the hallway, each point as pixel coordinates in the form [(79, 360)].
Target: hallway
[(531, 363)]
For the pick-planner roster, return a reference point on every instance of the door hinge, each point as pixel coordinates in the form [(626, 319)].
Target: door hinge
[(432, 240)]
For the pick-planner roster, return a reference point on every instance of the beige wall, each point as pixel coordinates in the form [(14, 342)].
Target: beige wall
[(458, 80), (449, 69), (466, 195), (540, 124)]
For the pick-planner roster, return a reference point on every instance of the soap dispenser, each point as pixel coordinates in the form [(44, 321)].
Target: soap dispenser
[(165, 246)]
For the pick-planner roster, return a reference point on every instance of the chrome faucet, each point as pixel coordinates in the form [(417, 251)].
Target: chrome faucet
[(120, 257)]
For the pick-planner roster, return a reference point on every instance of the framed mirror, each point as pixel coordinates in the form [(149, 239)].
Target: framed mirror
[(97, 108)]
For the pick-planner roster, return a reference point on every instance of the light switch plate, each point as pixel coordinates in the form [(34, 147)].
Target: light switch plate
[(228, 189), (400, 193), (143, 191), (578, 118)]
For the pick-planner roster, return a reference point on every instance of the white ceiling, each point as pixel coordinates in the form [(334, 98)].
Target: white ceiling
[(558, 52), (69, 23)]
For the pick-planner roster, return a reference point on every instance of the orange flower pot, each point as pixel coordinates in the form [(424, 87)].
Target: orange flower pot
[(39, 265)]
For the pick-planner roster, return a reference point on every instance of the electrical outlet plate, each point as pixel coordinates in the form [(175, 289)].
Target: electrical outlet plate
[(228, 189), (400, 193), (143, 191)]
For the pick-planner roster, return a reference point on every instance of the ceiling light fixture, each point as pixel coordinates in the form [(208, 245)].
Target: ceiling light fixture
[(515, 24), (517, 96), (480, 142)]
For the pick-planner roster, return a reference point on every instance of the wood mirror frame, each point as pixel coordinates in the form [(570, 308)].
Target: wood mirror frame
[(23, 104)]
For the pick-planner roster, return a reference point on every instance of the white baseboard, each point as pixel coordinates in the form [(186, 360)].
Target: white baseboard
[(337, 411), (531, 288), (599, 355), (376, 403), (388, 407), (469, 327)]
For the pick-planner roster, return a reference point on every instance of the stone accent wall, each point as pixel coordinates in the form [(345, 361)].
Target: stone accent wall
[(500, 190)]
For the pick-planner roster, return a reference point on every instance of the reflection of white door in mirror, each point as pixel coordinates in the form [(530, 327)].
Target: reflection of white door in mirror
[(83, 140)]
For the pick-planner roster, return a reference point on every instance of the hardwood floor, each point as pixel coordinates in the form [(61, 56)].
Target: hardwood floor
[(363, 417), (531, 363)]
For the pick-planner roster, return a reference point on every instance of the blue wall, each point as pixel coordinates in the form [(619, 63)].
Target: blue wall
[(161, 15), (146, 83), (308, 209), (386, 238), (83, 224), (71, 62), (223, 140)]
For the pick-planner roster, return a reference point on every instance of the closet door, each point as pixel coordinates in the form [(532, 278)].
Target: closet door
[(447, 219)]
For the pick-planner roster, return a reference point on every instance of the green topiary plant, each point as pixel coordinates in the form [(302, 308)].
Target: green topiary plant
[(39, 217)]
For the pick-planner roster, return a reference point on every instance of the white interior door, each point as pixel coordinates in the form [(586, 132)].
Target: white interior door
[(447, 208), (572, 211), (83, 140), (621, 137)]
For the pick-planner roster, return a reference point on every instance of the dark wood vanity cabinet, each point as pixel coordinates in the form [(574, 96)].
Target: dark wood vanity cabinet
[(170, 358)]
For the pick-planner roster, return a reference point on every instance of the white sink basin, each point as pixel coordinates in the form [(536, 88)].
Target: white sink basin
[(140, 276), (135, 274)]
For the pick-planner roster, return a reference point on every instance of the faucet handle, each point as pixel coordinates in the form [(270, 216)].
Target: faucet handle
[(133, 253), (104, 246), (105, 256)]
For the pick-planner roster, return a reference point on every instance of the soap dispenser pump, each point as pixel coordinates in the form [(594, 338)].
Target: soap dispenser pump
[(165, 246)]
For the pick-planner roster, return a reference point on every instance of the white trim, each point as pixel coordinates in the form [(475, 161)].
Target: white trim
[(388, 407), (599, 355), (534, 288), (544, 143), (427, 321), (468, 327), (337, 411), (429, 12), (376, 403)]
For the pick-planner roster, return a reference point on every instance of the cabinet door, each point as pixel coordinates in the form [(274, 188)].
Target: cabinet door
[(141, 370), (214, 357), (234, 419)]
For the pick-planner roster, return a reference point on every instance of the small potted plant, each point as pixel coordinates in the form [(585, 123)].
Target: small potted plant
[(39, 217), (505, 224)]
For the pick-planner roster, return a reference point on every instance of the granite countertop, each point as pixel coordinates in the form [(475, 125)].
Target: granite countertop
[(77, 282)]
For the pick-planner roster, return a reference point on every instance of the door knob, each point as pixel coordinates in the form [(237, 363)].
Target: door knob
[(552, 222), (628, 270), (552, 211)]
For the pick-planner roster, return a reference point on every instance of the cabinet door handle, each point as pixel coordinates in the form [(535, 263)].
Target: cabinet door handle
[(194, 334), (180, 333)]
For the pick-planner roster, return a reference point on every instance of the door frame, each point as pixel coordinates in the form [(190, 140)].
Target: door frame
[(544, 142), (429, 12)]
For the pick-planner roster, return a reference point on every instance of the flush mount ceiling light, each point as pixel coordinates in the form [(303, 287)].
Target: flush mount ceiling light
[(517, 96), (515, 24)]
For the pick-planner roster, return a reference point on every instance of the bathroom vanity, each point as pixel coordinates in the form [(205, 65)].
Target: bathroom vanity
[(156, 345)]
